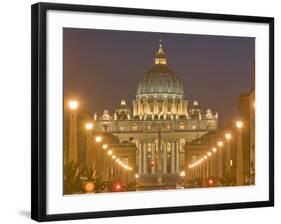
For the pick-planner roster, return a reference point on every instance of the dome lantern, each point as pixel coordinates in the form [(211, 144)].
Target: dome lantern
[(160, 58)]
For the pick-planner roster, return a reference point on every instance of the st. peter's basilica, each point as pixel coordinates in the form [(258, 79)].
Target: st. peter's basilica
[(160, 123)]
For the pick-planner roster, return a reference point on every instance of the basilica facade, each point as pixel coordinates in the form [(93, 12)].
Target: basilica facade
[(160, 123)]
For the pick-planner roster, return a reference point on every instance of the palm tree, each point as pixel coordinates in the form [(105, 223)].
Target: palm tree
[(72, 182)]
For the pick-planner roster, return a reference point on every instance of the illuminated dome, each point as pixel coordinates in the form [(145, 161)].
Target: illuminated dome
[(160, 81)]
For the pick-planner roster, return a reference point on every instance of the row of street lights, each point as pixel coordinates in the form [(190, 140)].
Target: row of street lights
[(89, 126), (214, 150), (73, 106)]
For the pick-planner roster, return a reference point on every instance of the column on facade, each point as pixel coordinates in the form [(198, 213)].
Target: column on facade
[(185, 108), (172, 158), (145, 107), (140, 157), (173, 107), (145, 157), (180, 107), (139, 107), (165, 106), (134, 108), (176, 107), (165, 158), (177, 143), (153, 151), (157, 107), (154, 107)]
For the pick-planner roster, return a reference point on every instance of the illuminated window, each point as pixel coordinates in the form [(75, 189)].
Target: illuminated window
[(134, 127), (182, 126), (121, 128)]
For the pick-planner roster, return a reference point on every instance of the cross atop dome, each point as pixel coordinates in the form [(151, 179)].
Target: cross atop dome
[(160, 50), (160, 57)]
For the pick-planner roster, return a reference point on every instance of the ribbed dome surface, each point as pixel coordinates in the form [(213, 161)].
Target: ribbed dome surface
[(160, 79)]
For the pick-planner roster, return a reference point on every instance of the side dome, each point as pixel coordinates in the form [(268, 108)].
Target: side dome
[(160, 81)]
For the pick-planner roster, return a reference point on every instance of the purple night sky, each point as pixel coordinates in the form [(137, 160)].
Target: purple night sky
[(101, 67)]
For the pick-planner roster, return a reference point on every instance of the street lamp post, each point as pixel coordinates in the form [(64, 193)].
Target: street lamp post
[(89, 155), (228, 137), (220, 170), (215, 163), (209, 164), (98, 158), (73, 132), (239, 169), (205, 168)]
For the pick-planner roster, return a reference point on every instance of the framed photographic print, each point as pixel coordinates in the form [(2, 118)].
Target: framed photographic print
[(138, 111)]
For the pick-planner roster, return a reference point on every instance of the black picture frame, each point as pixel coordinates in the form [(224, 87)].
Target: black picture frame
[(38, 108)]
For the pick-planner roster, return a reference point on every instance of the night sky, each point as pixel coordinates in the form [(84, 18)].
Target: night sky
[(101, 67)]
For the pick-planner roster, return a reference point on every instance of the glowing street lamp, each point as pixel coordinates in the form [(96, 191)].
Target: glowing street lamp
[(220, 143), (239, 124), (98, 139), (214, 149), (73, 104), (105, 146), (89, 126), (109, 152), (228, 136)]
